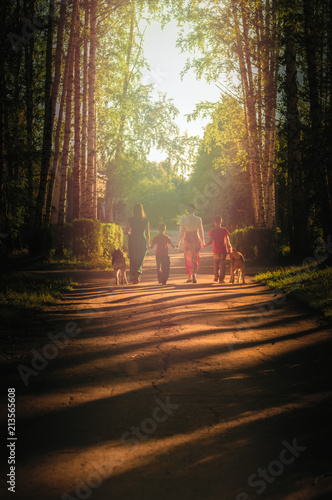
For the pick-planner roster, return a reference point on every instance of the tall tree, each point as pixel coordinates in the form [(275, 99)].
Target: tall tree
[(66, 141), (241, 39), (90, 180), (318, 150), (298, 229), (59, 115), (114, 165), (77, 139), (84, 109), (47, 131)]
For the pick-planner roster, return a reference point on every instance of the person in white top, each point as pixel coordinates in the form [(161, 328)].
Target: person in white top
[(191, 231)]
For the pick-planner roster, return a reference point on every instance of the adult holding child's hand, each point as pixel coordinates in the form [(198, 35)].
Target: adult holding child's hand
[(191, 231), (138, 231)]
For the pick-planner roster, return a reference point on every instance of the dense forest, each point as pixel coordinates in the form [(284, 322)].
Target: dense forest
[(78, 121)]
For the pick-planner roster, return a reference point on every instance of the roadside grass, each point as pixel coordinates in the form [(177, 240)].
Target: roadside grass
[(67, 262), (306, 283), (23, 294)]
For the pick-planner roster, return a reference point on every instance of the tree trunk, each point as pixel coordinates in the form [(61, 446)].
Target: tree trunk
[(66, 144), (317, 144), (84, 112), (77, 142), (298, 222), (91, 112), (28, 59), (54, 170), (58, 59), (249, 97), (47, 134)]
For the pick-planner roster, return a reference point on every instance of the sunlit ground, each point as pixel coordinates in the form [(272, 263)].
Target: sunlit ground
[(241, 368)]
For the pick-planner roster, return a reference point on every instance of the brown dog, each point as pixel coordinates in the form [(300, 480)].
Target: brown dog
[(237, 264), (119, 266)]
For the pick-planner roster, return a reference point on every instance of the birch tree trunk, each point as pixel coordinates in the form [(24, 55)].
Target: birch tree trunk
[(84, 110), (243, 52), (256, 33), (66, 144), (47, 134), (58, 59), (90, 191), (77, 141), (59, 115)]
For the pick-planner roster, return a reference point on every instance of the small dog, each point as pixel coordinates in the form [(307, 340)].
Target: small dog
[(237, 264), (119, 266)]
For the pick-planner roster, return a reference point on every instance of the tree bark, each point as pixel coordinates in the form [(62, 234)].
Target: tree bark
[(249, 98), (57, 139), (47, 134), (77, 141), (298, 230), (317, 144), (66, 144), (84, 111), (28, 59), (91, 113)]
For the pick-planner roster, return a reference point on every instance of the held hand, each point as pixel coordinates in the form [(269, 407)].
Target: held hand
[(176, 247)]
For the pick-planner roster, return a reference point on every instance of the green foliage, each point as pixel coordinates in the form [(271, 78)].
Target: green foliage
[(258, 244), (161, 192), (92, 239), (305, 283), (87, 238), (112, 238), (219, 183)]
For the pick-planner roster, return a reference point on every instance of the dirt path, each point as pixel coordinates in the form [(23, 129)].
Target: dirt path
[(180, 392)]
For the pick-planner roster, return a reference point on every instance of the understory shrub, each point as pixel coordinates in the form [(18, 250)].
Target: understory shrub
[(93, 239), (256, 243), (112, 238), (87, 238)]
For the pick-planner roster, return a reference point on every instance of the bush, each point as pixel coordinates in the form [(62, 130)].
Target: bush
[(112, 238), (87, 238), (92, 239), (255, 243)]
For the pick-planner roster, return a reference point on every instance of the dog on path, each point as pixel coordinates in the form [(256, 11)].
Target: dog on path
[(119, 266), (237, 264)]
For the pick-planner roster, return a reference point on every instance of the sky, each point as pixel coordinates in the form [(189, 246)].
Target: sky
[(166, 63)]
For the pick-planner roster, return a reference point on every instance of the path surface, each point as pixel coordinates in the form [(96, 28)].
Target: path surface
[(176, 392)]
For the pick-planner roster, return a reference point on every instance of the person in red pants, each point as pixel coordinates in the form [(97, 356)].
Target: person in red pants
[(219, 236)]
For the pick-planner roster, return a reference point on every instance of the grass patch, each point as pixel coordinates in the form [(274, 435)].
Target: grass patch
[(68, 262), (23, 294), (305, 283)]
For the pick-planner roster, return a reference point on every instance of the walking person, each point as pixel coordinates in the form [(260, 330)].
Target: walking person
[(162, 241), (219, 236), (138, 231), (191, 231)]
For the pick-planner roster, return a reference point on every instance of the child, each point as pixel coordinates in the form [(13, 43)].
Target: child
[(221, 246), (163, 262)]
